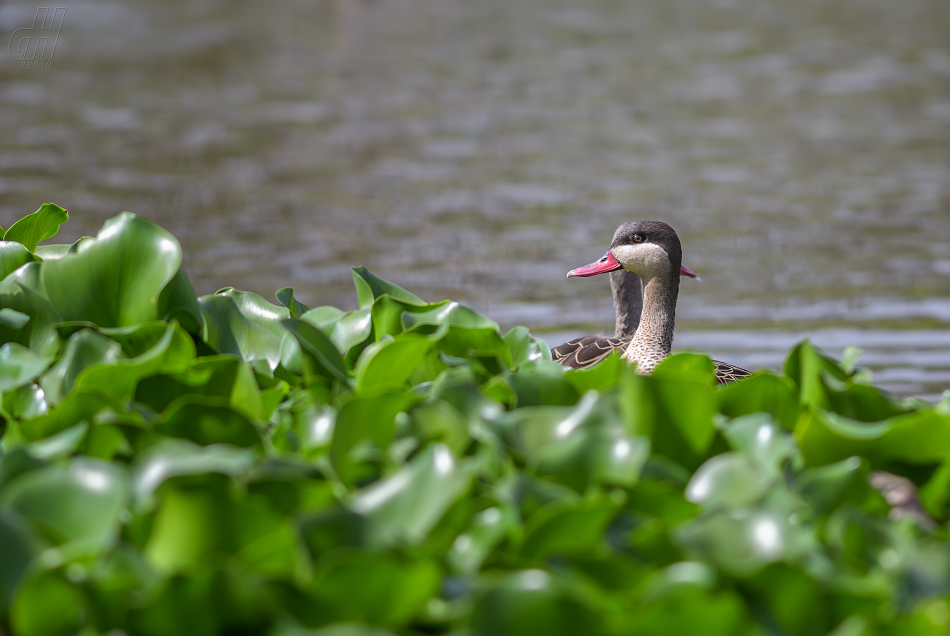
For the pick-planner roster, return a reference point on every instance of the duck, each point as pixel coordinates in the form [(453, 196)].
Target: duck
[(645, 265)]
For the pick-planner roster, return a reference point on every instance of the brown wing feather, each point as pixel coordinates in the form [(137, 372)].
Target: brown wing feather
[(727, 373), (581, 353)]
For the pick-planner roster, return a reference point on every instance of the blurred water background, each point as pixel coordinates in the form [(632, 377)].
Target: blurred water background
[(480, 149)]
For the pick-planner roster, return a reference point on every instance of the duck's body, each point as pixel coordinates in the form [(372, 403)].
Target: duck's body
[(645, 262)]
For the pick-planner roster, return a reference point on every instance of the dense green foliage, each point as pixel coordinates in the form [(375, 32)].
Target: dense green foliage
[(181, 465)]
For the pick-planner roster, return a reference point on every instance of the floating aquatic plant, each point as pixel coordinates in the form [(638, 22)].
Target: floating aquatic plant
[(175, 464)]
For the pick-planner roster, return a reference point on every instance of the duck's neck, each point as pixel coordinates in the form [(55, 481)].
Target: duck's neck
[(654, 335), (628, 302)]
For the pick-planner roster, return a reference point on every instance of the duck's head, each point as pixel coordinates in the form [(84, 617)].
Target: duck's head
[(646, 248)]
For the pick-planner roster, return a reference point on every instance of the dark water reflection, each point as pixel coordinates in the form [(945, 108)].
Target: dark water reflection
[(479, 150)]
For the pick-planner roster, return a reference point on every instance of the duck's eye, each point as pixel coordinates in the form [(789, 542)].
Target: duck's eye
[(637, 238)]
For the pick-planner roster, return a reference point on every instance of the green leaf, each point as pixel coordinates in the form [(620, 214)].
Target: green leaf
[(228, 330), (532, 602), (389, 363), (77, 407), (39, 334), (375, 587), (369, 287), (178, 302), (364, 418), (13, 255), (407, 505), (676, 414), (19, 366), (320, 355), (174, 458), (526, 350), (921, 437), (119, 377), (566, 528), (730, 480), (84, 349), (208, 420), (761, 393), (39, 226), (78, 504), (285, 296), (47, 605), (18, 547), (223, 376), (116, 280)]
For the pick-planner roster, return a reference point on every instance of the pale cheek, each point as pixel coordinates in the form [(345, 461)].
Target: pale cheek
[(646, 259)]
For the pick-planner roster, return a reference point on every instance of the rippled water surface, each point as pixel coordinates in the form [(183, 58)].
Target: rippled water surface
[(479, 150)]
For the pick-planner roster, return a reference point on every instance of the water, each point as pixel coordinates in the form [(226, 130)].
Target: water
[(479, 150)]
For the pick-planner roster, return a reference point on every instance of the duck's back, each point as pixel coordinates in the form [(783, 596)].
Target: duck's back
[(584, 352)]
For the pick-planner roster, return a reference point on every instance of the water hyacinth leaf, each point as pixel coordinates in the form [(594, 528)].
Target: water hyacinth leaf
[(389, 363), (285, 296), (827, 487), (116, 280), (84, 349), (687, 366), (364, 418), (389, 315), (448, 312), (19, 366), (526, 349), (535, 389), (208, 420), (673, 579), (762, 393), (27, 275), (223, 376), (474, 342), (531, 602), (78, 406), (677, 415), (320, 355), (352, 329), (230, 331), (921, 437), (730, 480), (13, 256), (369, 287), (47, 604), (739, 543), (176, 457), (52, 252), (25, 403), (39, 226), (18, 547), (323, 318), (406, 506), (178, 301), (13, 319), (77, 504), (190, 526), (437, 420), (600, 377), (762, 441), (375, 587), (39, 334), (257, 310), (119, 377), (486, 529), (565, 528), (593, 455)]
